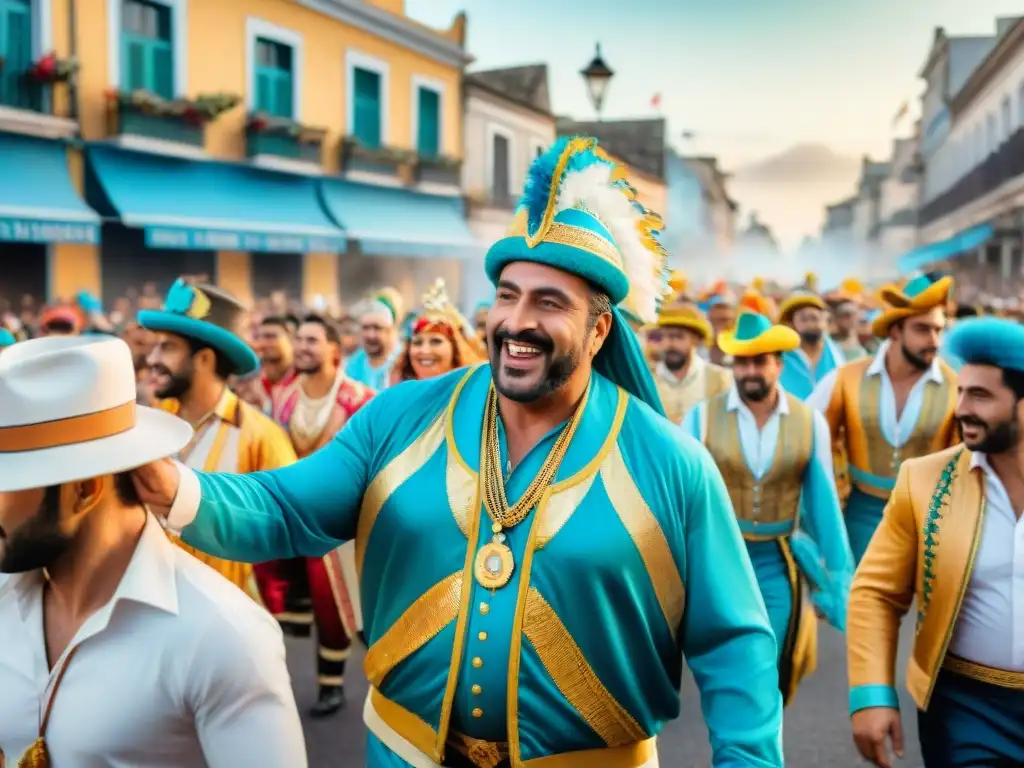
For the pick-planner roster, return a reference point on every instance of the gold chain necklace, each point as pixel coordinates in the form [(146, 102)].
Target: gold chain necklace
[(494, 562)]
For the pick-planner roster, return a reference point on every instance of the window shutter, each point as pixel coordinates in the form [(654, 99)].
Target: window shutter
[(16, 42), (428, 140), (133, 64), (367, 107), (283, 94), (161, 70), (264, 92), (500, 181)]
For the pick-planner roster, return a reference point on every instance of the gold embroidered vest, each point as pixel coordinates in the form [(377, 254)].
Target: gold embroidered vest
[(765, 508), (677, 398)]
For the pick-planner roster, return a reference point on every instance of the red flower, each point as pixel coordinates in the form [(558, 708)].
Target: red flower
[(258, 124)]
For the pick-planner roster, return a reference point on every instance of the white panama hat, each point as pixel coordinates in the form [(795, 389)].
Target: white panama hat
[(68, 412)]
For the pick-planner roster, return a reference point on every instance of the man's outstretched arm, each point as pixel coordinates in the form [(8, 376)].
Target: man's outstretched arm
[(727, 637), (302, 510)]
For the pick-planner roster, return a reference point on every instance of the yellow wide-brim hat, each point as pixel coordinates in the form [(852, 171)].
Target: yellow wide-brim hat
[(921, 294), (686, 316), (755, 335), (797, 301)]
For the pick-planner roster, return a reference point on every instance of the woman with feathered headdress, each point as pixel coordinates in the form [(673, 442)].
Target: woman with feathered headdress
[(438, 340)]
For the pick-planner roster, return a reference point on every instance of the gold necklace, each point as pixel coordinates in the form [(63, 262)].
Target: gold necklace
[(494, 562)]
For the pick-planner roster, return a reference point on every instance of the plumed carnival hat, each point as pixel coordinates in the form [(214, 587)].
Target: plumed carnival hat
[(989, 341), (68, 412), (686, 314), (797, 301), (755, 335), (578, 214), (207, 314), (919, 295)]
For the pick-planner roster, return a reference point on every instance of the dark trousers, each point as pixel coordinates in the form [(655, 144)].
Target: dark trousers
[(970, 724)]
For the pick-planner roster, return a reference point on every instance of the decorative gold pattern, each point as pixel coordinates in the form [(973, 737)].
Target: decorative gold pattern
[(574, 237), (434, 610), (483, 754), (573, 676), (494, 565), (1004, 678), (391, 478), (650, 541)]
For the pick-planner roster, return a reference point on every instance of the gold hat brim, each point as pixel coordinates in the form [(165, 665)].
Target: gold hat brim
[(778, 338)]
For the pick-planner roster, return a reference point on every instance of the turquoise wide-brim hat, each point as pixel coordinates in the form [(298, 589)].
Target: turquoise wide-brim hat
[(6, 338), (755, 335), (578, 214), (206, 314), (988, 341)]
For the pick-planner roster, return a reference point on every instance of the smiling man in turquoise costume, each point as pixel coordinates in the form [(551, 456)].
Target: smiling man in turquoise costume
[(773, 451), (550, 632)]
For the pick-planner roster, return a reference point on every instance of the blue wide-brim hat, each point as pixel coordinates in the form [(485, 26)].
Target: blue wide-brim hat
[(989, 341), (210, 316), (578, 214)]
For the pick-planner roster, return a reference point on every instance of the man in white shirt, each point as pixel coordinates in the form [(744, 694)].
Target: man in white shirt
[(952, 538), (119, 649), (773, 451)]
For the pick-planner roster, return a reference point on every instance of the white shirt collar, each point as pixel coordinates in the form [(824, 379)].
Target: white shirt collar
[(733, 401), (877, 367), (980, 461), (149, 579)]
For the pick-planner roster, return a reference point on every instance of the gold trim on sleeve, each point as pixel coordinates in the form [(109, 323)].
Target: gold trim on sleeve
[(434, 610), (650, 541), (573, 676), (391, 478)]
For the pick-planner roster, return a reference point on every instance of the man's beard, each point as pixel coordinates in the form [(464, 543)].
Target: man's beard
[(310, 368), (38, 543), (917, 360), (553, 377), (998, 438), (374, 348), (753, 388), (271, 359), (811, 337), (177, 387), (675, 360)]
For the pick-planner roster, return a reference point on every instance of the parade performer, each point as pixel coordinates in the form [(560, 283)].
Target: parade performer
[(439, 341), (196, 350), (892, 407), (772, 450), (682, 376), (373, 361), (817, 356), (275, 346), (950, 539), (549, 629), (118, 648), (845, 314), (719, 304), (865, 335), (318, 403)]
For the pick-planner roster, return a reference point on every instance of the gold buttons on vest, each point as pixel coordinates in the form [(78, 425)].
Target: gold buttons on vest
[(484, 609), (476, 689), (482, 636), (478, 662), (478, 712)]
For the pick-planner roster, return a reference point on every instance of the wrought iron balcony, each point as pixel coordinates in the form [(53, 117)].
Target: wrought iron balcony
[(20, 92), (1000, 167)]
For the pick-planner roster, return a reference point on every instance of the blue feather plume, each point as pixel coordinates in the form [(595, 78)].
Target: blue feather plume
[(541, 184)]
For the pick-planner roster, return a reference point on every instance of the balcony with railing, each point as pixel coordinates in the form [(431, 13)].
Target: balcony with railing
[(999, 168), (27, 95)]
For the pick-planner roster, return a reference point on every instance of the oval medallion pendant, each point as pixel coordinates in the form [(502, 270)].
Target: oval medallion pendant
[(493, 566)]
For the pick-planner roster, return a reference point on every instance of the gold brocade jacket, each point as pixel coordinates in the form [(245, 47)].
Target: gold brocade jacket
[(924, 548), (704, 381)]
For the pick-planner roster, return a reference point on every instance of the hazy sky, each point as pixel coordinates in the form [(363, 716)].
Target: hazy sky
[(749, 77)]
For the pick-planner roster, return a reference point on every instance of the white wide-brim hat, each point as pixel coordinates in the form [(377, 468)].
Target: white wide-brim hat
[(68, 412)]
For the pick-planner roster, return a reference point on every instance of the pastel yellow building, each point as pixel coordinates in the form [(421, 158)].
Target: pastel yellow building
[(310, 146)]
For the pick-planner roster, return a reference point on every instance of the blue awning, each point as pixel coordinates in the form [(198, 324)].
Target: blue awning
[(387, 221), (207, 205), (38, 202), (962, 242)]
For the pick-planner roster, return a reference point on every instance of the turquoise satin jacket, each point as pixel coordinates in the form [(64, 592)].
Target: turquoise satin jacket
[(632, 561)]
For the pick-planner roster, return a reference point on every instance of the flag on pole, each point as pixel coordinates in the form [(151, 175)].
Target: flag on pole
[(901, 112), (656, 100)]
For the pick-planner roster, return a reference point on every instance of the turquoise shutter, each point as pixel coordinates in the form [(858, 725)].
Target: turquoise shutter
[(161, 63), (367, 107), (283, 94), (133, 63), (428, 140), (264, 92), (16, 48)]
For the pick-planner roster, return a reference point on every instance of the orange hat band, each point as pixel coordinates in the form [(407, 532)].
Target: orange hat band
[(71, 431)]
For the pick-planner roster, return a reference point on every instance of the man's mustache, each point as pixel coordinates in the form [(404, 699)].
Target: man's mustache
[(972, 421), (528, 338), (752, 380)]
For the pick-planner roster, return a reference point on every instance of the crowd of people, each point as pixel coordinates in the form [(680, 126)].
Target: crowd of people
[(529, 517)]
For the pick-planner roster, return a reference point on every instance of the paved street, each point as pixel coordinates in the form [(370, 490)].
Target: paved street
[(817, 727)]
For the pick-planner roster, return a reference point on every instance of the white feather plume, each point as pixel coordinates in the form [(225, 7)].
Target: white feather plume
[(591, 188)]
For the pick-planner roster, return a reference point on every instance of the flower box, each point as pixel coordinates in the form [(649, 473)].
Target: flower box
[(439, 169), (267, 135), (183, 121), (382, 160)]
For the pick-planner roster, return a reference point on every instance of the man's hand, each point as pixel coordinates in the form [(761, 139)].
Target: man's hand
[(157, 485), (871, 726)]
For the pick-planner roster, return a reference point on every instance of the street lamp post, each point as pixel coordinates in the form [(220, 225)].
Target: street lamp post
[(597, 75)]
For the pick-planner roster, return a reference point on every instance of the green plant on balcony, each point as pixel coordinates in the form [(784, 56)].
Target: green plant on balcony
[(439, 162), (50, 70), (353, 149), (197, 112), (270, 134)]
